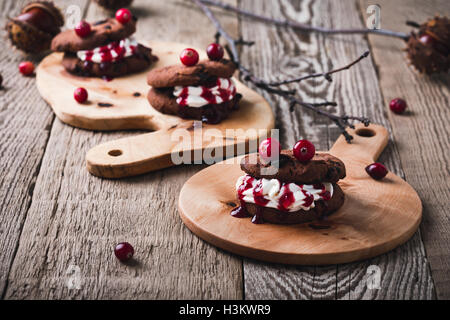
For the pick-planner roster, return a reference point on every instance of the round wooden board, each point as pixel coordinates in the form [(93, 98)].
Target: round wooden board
[(376, 217), (127, 110)]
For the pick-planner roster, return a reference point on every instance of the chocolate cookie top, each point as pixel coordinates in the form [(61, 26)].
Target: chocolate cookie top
[(323, 167), (181, 75), (102, 33)]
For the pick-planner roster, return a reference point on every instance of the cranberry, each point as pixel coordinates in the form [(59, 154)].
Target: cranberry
[(26, 68), (304, 150), (376, 170), (269, 149), (124, 251), (189, 57), (426, 40), (215, 51), (397, 105), (83, 29), (123, 15), (80, 94)]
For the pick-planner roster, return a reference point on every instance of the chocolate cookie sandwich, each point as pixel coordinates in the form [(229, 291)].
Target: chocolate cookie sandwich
[(103, 49), (289, 186), (195, 90)]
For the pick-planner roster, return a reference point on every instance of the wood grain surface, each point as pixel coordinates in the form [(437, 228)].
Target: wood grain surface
[(75, 218), (357, 92), (376, 216), (54, 214), (423, 134)]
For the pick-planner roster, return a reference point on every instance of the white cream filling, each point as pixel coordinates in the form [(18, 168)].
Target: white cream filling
[(127, 44), (272, 190), (194, 93)]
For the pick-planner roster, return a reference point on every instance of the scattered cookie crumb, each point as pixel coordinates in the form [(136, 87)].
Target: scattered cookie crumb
[(104, 104)]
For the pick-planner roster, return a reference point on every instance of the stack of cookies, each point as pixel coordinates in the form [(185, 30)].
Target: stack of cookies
[(289, 190), (103, 49), (201, 90)]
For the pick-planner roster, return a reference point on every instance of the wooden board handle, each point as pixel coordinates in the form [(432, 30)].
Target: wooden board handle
[(152, 151), (368, 143)]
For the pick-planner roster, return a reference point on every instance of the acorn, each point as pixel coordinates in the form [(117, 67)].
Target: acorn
[(429, 48), (113, 4), (33, 30)]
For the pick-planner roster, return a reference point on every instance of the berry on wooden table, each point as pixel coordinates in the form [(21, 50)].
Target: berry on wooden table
[(376, 170), (124, 251), (398, 105), (80, 95), (26, 68)]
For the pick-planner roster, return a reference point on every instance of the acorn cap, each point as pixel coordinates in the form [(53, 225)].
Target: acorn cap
[(49, 7)]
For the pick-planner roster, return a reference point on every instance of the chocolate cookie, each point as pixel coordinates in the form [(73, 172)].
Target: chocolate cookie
[(322, 167), (164, 101), (180, 75), (102, 33), (135, 63), (321, 209)]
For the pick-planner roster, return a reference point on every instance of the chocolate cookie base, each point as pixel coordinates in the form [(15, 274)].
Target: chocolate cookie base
[(135, 63), (164, 101), (321, 210)]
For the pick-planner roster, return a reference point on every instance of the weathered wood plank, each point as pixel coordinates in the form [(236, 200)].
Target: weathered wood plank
[(25, 123), (281, 53), (422, 135), (75, 218)]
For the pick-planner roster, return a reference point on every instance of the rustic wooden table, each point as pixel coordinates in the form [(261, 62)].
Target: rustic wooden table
[(55, 215)]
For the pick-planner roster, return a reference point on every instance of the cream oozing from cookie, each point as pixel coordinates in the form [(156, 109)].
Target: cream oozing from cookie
[(111, 52), (222, 91), (282, 196)]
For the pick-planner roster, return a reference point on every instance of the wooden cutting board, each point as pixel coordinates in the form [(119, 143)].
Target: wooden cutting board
[(127, 107), (122, 103), (376, 217)]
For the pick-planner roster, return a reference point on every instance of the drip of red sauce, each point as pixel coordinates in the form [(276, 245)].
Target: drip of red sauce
[(308, 200), (257, 218), (208, 95), (247, 184), (183, 95), (258, 195), (326, 195), (286, 199), (241, 211)]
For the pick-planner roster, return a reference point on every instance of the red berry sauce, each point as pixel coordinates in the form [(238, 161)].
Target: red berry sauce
[(225, 93), (284, 202)]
